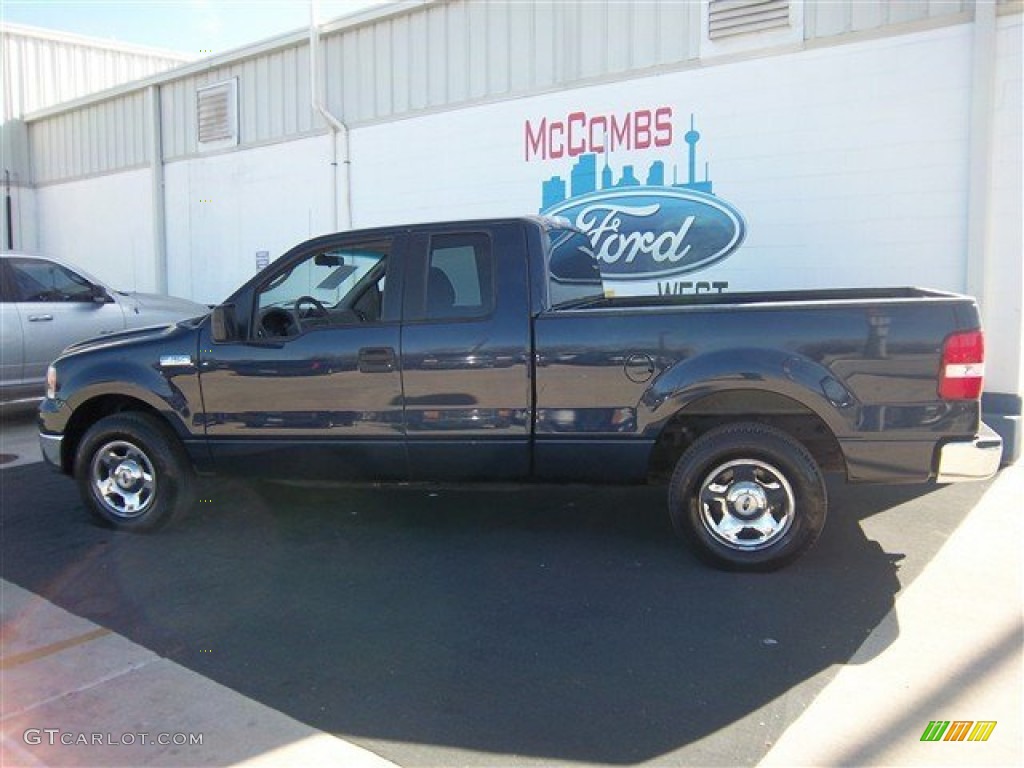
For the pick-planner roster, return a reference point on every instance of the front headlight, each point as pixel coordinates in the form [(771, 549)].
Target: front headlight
[(51, 383)]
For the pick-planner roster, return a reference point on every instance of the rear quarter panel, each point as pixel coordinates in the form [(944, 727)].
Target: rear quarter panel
[(868, 369)]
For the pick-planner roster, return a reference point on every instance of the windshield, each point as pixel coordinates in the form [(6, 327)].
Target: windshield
[(574, 274), (329, 277)]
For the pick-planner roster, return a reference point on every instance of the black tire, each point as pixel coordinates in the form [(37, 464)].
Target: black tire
[(133, 473), (748, 497)]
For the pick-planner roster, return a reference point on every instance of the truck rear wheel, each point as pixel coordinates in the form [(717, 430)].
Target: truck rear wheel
[(133, 474), (748, 497)]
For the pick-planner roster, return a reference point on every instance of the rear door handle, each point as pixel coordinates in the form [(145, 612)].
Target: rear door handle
[(39, 318), (376, 360)]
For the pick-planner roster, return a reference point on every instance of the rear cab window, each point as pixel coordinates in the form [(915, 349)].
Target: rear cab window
[(460, 276), (573, 273)]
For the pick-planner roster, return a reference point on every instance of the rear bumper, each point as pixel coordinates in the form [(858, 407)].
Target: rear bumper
[(976, 459)]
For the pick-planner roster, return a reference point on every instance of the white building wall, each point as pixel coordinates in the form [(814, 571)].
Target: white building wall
[(1004, 285), (16, 177), (24, 218), (43, 67), (223, 209), (104, 225), (848, 163)]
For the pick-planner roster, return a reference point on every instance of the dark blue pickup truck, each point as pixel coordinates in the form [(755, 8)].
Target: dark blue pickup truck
[(489, 350)]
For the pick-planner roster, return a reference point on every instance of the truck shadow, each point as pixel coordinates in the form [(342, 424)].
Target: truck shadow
[(553, 623)]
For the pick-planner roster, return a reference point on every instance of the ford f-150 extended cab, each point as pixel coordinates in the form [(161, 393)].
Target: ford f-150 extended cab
[(488, 350)]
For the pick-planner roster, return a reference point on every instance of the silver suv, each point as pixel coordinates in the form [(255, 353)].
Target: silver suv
[(45, 305)]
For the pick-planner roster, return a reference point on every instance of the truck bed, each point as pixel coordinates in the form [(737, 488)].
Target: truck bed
[(846, 296)]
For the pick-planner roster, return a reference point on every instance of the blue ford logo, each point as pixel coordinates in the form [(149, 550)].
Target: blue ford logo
[(645, 233)]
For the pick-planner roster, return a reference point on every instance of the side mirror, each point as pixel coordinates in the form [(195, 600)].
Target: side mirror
[(99, 295), (223, 325)]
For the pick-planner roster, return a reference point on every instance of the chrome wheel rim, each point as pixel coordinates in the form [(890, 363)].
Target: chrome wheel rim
[(123, 479), (747, 505)]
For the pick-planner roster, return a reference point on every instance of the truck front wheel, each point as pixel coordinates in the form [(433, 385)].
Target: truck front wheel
[(748, 497), (133, 473)]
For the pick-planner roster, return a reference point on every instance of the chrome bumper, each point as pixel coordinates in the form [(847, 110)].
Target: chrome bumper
[(977, 459), (50, 446)]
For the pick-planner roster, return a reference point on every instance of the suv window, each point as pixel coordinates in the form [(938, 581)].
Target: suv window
[(41, 280), (460, 276)]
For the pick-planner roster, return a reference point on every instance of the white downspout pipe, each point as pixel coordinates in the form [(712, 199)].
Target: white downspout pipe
[(339, 131), (158, 193)]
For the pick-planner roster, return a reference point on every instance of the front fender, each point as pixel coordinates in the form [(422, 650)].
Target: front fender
[(766, 370), (167, 392)]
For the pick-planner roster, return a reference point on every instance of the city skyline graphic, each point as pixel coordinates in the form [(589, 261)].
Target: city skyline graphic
[(584, 178)]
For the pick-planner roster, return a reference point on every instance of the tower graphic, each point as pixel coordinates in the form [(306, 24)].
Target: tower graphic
[(691, 138), (584, 175)]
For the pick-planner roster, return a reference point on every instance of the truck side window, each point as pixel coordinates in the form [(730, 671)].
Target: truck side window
[(333, 287), (460, 276)]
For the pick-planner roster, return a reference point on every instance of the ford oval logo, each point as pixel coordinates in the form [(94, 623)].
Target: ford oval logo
[(644, 233)]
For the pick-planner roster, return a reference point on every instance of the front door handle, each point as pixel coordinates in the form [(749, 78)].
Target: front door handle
[(376, 360), (39, 318)]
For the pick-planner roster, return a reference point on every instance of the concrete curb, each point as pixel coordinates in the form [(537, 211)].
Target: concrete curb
[(76, 694), (874, 714)]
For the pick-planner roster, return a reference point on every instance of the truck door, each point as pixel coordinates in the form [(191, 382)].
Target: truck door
[(314, 389), (466, 354)]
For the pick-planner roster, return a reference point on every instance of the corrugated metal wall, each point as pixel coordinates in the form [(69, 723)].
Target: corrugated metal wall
[(455, 52), (826, 19), (442, 54), (41, 68), (273, 100), (98, 138)]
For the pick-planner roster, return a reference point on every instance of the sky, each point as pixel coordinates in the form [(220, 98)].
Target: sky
[(193, 27)]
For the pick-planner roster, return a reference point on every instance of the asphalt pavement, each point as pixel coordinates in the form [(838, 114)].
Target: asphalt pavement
[(513, 627)]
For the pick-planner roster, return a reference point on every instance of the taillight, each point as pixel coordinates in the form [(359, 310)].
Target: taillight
[(963, 366)]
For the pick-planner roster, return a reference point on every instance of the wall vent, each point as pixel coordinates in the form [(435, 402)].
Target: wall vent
[(217, 114), (727, 18)]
